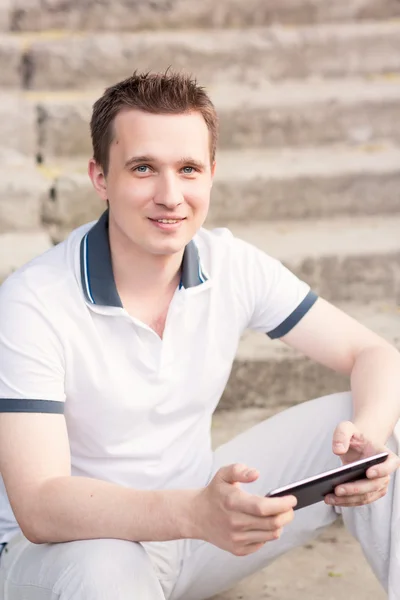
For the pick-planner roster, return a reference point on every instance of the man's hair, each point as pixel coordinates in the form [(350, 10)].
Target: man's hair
[(157, 93)]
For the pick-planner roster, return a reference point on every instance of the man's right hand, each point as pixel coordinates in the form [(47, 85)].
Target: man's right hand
[(234, 520)]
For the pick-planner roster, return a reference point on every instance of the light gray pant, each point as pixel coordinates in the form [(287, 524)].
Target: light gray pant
[(291, 445)]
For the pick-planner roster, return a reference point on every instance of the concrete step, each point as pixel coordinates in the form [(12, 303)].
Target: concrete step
[(269, 375), (23, 193), (11, 61), (291, 113), (261, 185), (18, 124), (309, 183), (125, 15), (343, 260), (73, 61), (5, 15)]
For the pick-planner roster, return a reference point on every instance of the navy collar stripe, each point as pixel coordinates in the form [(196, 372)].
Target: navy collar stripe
[(98, 281), (86, 269)]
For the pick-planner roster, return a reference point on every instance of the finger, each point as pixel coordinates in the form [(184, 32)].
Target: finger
[(250, 548), (358, 500), (264, 507), (342, 436), (237, 473), (261, 537), (391, 464), (363, 486), (250, 523)]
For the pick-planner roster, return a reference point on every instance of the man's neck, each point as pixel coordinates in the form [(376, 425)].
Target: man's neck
[(142, 275)]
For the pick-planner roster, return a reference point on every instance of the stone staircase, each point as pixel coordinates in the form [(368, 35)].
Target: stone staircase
[(308, 93)]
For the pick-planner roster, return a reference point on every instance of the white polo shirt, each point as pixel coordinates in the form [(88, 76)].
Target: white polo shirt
[(138, 408)]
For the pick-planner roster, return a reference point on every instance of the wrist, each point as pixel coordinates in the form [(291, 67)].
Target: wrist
[(372, 432), (190, 514)]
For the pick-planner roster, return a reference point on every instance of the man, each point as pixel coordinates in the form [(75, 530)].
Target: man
[(115, 347)]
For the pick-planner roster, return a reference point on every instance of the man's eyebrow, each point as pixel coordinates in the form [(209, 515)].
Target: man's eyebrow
[(187, 160), (134, 160), (147, 158)]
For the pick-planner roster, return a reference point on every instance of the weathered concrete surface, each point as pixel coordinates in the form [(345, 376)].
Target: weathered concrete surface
[(306, 183), (16, 249), (64, 123), (87, 60), (22, 194), (308, 113), (10, 60), (12, 158), (128, 15), (268, 374), (72, 202), (296, 113), (342, 259), (18, 124), (330, 567), (5, 15)]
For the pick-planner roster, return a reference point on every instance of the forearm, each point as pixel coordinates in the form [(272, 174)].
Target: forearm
[(77, 508), (375, 384)]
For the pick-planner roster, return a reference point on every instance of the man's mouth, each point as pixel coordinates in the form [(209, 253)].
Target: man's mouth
[(167, 220)]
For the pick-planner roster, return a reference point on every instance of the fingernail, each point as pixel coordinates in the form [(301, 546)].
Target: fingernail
[(340, 491), (339, 445), (373, 473), (250, 473)]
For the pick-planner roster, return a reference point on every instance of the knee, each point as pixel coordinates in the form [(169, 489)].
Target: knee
[(108, 568), (334, 407)]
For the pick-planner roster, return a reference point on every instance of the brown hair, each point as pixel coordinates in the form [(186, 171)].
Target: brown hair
[(154, 93)]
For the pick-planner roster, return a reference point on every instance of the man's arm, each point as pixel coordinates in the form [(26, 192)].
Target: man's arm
[(332, 338), (52, 506)]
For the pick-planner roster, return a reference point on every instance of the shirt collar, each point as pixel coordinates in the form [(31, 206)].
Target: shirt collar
[(97, 276)]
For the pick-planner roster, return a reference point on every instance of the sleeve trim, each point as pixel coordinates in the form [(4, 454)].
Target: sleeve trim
[(14, 405), (295, 317)]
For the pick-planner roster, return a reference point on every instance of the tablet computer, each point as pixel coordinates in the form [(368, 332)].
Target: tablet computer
[(314, 489)]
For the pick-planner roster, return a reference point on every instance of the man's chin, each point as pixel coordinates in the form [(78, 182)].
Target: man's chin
[(170, 249)]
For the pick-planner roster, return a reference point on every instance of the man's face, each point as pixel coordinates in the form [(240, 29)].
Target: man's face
[(159, 169)]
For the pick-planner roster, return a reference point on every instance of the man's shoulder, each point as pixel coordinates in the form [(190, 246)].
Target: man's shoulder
[(222, 243), (214, 240)]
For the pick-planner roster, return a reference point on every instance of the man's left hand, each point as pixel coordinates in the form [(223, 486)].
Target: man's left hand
[(350, 444)]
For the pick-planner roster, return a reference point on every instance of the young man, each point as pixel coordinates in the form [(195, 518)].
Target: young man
[(115, 347)]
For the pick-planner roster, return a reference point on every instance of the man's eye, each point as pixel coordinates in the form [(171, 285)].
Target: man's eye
[(188, 170), (141, 168)]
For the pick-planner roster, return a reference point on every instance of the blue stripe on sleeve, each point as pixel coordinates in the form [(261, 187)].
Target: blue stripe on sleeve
[(295, 317), (14, 405)]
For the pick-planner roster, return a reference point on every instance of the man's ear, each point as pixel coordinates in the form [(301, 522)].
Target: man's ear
[(98, 179)]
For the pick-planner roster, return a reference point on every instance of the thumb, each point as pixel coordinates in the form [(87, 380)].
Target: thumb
[(238, 473), (342, 436)]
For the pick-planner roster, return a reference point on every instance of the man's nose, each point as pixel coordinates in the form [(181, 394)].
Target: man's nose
[(168, 192)]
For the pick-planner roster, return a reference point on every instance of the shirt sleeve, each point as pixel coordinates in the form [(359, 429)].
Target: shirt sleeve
[(277, 297), (31, 354)]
